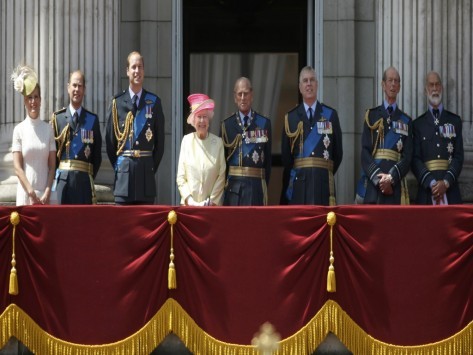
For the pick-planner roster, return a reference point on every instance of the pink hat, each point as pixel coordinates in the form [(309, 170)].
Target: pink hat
[(199, 102)]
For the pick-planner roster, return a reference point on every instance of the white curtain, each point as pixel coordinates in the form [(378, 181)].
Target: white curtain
[(215, 74)]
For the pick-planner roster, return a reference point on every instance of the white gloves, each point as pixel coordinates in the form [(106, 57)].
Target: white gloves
[(191, 202)]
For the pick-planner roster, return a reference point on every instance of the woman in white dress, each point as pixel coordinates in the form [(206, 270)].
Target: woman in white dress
[(202, 165), (33, 145)]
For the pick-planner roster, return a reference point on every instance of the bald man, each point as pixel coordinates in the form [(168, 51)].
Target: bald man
[(247, 138), (386, 147)]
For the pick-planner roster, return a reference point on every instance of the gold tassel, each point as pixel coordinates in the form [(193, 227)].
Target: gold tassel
[(331, 283), (172, 282), (13, 290)]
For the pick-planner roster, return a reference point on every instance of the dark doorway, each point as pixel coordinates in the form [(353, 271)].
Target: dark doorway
[(265, 40)]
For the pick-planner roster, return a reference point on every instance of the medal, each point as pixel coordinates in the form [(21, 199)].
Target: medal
[(149, 112), (399, 145), (149, 134), (87, 151), (255, 156)]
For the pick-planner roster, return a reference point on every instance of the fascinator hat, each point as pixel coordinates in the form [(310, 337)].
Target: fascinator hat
[(199, 102), (24, 79)]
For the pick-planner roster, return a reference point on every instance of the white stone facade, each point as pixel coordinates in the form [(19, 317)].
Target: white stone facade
[(360, 39)]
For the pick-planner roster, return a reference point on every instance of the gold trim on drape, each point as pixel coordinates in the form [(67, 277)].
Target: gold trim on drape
[(173, 318)]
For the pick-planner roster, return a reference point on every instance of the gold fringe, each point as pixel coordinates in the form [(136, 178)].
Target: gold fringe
[(172, 281), (332, 318), (13, 289), (404, 192), (173, 318), (331, 283)]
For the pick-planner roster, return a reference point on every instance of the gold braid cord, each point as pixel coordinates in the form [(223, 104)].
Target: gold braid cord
[(232, 147), (171, 317), (13, 290), (62, 138), (298, 133), (378, 125), (331, 283), (127, 130), (172, 282)]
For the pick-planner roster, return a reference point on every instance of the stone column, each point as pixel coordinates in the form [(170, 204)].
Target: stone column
[(56, 37), (339, 85)]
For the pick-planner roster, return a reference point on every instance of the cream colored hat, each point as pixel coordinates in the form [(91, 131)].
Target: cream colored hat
[(24, 79)]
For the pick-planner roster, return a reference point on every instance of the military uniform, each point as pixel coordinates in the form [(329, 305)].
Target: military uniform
[(386, 147), (311, 156), (248, 154), (438, 154), (79, 151), (135, 146)]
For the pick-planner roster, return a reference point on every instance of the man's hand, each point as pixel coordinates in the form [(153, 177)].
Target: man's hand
[(385, 184), (438, 190)]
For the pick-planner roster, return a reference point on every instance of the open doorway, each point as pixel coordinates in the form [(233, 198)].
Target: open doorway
[(264, 40)]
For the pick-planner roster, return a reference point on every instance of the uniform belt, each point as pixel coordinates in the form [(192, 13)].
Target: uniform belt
[(387, 154), (246, 171), (137, 153), (312, 162), (77, 165), (438, 164)]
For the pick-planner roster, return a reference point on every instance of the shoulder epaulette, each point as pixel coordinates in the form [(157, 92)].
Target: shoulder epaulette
[(260, 115), (119, 94), (405, 114), (422, 115), (373, 108), (89, 112), (327, 106), (293, 109), (60, 111), (229, 117), (452, 113)]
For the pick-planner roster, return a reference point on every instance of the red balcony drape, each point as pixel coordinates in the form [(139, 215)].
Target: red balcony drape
[(97, 275)]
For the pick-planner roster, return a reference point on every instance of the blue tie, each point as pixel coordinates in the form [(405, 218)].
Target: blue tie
[(134, 102), (245, 121), (311, 117)]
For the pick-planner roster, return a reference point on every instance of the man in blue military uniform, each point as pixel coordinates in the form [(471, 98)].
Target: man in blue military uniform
[(135, 138), (386, 148), (311, 149), (79, 147), (247, 139), (438, 149)]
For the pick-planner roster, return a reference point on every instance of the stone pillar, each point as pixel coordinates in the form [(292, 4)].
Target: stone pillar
[(339, 85), (424, 35), (56, 37), (366, 84)]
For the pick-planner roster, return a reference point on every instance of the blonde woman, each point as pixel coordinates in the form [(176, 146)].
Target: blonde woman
[(33, 145)]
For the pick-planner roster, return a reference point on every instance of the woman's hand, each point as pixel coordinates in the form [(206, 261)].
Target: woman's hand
[(33, 197), (44, 200)]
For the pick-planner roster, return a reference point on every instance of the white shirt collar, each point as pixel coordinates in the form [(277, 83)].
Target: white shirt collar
[(73, 110)]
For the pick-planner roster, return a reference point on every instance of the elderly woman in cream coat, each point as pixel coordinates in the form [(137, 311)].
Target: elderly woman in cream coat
[(202, 165)]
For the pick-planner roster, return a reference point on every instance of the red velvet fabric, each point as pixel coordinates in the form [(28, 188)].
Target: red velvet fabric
[(95, 275)]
